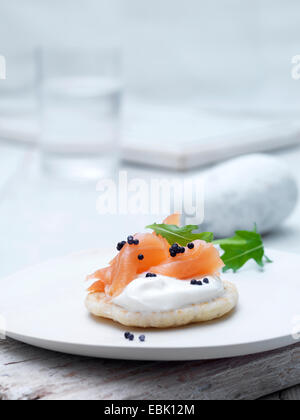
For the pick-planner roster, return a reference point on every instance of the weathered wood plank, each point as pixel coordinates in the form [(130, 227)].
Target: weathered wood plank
[(272, 397), (30, 373), (290, 394)]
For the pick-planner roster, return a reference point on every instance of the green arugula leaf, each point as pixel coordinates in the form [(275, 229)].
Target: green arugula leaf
[(242, 247), (180, 235), (267, 259)]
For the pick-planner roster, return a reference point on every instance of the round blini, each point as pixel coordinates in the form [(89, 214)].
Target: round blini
[(99, 305)]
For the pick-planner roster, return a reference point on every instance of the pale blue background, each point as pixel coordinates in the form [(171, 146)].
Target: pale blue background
[(220, 53)]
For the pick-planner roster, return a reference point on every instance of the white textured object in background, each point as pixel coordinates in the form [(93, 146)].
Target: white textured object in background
[(182, 138), (251, 189)]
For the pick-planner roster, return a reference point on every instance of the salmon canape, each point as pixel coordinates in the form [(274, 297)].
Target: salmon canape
[(155, 283)]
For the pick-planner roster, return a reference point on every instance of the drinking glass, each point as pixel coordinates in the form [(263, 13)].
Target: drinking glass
[(18, 100), (80, 97)]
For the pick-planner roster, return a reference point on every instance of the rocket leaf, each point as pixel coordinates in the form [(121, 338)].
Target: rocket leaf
[(242, 247), (180, 235)]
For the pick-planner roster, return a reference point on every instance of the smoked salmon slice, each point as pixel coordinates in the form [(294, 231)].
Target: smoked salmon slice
[(103, 277), (136, 259), (174, 219), (152, 250), (202, 260)]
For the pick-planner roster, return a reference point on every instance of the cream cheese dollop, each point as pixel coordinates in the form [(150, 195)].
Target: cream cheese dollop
[(161, 293)]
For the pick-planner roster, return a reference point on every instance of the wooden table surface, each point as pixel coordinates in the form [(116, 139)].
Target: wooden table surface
[(34, 210)]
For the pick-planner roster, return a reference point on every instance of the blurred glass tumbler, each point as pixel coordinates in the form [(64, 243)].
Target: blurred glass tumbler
[(18, 101), (80, 95)]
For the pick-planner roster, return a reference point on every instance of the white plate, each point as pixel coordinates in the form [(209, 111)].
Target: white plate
[(43, 306)]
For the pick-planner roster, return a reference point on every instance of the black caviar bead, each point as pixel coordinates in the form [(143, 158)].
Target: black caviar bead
[(191, 246), (206, 281), (130, 240), (142, 338), (193, 282), (127, 335), (175, 246), (136, 242), (131, 337), (150, 275), (199, 283), (182, 250), (120, 245), (141, 257), (173, 253)]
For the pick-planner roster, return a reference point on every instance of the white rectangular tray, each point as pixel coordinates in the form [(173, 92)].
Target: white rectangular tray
[(183, 139)]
